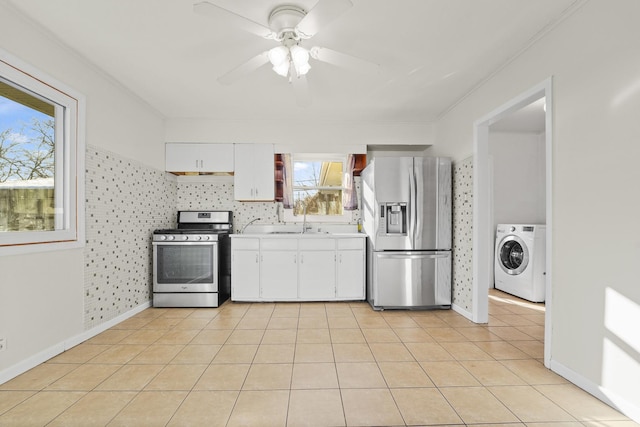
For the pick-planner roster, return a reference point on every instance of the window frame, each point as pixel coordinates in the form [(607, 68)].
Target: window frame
[(347, 216), (70, 151)]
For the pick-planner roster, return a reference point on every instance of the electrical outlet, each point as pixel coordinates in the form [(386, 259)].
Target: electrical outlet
[(3, 344)]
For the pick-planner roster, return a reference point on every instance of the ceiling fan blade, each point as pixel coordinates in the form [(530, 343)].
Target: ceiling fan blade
[(301, 89), (237, 21), (244, 69), (321, 14), (343, 60)]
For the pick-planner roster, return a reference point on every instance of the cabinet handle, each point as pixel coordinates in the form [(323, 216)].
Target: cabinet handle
[(301, 259), (256, 192), (196, 164), (295, 258), (257, 260)]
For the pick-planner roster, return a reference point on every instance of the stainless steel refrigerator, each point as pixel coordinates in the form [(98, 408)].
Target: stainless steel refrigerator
[(406, 208)]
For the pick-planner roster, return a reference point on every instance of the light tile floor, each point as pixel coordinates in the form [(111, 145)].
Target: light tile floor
[(323, 364)]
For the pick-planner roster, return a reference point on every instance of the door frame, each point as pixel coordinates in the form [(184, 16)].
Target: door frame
[(483, 238)]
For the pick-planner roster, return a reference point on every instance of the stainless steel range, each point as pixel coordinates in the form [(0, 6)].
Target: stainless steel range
[(192, 263)]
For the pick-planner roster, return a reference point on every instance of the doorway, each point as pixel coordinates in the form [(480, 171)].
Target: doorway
[(483, 226)]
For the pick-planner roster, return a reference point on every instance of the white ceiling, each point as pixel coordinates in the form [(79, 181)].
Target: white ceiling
[(431, 53)]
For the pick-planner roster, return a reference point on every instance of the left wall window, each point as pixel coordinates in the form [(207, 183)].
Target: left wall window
[(41, 161)]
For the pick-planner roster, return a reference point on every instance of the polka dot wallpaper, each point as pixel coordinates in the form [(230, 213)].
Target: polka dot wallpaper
[(463, 233), (125, 202)]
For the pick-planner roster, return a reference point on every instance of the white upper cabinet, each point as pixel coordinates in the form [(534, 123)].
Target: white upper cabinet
[(254, 172), (199, 157)]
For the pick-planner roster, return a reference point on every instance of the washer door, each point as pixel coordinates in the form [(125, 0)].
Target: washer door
[(513, 255)]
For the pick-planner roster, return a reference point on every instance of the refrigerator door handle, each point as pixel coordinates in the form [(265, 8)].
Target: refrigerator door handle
[(412, 207), (411, 255)]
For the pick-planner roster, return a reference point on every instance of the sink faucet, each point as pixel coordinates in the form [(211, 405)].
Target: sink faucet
[(248, 224), (304, 219)]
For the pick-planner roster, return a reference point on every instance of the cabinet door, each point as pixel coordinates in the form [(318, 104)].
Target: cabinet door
[(245, 275), (243, 175), (317, 275), (254, 176), (216, 157), (182, 158), (279, 275), (351, 283), (264, 172)]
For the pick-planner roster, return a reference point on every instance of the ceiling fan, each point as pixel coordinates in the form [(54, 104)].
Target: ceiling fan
[(289, 26)]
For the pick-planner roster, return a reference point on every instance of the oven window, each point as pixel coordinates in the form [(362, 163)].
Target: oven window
[(185, 264)]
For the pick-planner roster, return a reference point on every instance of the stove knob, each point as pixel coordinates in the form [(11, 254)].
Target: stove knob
[(162, 237), (196, 237), (183, 237), (205, 237)]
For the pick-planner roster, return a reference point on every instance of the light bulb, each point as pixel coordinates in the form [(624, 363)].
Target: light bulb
[(278, 55), (300, 58), (302, 69), (282, 68)]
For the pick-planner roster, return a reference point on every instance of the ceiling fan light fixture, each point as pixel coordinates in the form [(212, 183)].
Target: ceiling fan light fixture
[(300, 59), (282, 69), (279, 55), (279, 58), (302, 69)]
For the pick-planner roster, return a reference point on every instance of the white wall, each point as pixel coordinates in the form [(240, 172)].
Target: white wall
[(306, 136), (518, 178), (41, 295), (115, 118), (595, 239)]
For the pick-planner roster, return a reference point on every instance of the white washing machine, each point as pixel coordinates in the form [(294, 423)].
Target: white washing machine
[(520, 260)]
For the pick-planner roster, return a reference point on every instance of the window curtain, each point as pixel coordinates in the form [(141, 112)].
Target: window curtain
[(349, 197), (287, 178)]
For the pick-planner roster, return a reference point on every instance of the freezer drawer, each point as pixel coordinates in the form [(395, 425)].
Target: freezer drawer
[(410, 279)]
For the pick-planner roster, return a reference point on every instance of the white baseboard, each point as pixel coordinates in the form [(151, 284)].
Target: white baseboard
[(462, 311), (46, 354), (74, 341), (624, 406)]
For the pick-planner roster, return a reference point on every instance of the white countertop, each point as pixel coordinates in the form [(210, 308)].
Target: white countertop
[(308, 235), (294, 231)]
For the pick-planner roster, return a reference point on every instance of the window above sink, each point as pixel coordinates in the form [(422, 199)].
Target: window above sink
[(319, 187)]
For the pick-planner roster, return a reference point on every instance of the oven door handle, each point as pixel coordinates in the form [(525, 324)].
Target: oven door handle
[(183, 242)]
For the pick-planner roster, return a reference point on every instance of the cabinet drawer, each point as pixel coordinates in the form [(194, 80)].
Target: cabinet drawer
[(279, 244), (253, 244), (322, 244), (356, 243)]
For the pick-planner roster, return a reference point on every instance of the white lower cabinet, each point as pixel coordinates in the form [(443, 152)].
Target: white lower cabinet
[(245, 267), (299, 269), (278, 275), (350, 265), (317, 270)]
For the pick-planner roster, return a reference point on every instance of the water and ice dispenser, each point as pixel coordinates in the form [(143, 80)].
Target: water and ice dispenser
[(393, 218)]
